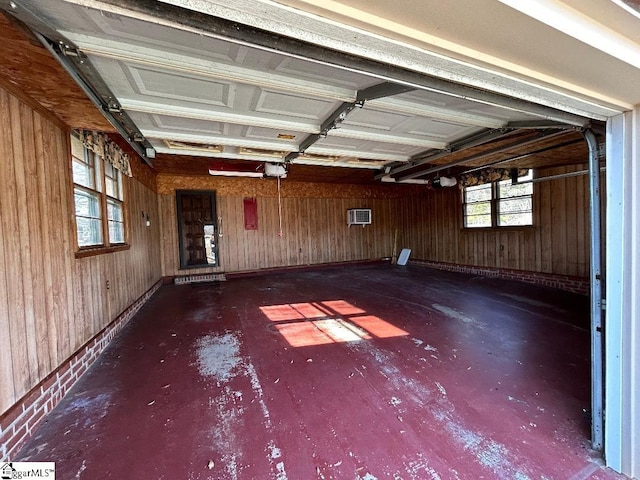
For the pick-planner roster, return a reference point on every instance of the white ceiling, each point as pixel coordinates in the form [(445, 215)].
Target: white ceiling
[(193, 92)]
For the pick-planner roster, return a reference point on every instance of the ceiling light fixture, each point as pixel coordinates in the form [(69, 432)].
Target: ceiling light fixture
[(226, 169)]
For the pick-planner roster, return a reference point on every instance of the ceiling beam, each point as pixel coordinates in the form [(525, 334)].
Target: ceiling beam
[(525, 155), (185, 19), (473, 140), (519, 143)]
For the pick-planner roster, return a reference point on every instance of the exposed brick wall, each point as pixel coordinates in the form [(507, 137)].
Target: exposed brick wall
[(563, 282), (21, 420)]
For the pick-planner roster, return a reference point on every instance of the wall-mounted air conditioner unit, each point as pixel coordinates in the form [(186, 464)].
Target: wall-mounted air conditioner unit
[(359, 216)]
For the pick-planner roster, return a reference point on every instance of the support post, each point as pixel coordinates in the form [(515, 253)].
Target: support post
[(622, 319)]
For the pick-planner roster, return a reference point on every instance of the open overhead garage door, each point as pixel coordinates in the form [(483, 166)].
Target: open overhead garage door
[(179, 82), (242, 85)]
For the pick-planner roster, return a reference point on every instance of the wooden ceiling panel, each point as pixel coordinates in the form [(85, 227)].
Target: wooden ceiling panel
[(193, 166), (28, 67), (312, 173), (560, 149)]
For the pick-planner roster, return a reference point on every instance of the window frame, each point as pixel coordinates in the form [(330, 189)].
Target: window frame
[(495, 202), (508, 198), (488, 201), (99, 190)]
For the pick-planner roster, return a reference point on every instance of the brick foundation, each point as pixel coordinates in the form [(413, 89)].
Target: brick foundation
[(563, 282), (19, 422)]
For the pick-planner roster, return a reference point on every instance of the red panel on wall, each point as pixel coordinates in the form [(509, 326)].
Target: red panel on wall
[(250, 214)]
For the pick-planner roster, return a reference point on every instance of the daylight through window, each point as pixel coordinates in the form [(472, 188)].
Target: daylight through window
[(98, 199), (499, 204), (515, 202)]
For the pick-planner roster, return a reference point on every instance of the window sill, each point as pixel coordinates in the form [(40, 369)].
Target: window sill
[(199, 265), (100, 250), (514, 228)]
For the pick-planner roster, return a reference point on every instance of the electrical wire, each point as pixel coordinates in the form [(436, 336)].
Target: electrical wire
[(280, 233)]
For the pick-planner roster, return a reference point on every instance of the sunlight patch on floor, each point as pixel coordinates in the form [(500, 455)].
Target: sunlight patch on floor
[(326, 322)]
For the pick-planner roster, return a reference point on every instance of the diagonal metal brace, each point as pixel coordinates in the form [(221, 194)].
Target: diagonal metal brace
[(339, 115)]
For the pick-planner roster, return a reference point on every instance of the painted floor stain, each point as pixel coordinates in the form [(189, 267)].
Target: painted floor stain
[(219, 390), (218, 356)]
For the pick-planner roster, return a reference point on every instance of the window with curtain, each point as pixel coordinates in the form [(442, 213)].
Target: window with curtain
[(98, 198), (499, 203)]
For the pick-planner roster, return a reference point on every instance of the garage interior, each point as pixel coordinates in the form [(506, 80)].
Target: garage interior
[(271, 161)]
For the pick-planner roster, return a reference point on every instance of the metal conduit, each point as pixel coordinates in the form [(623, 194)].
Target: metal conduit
[(556, 177)]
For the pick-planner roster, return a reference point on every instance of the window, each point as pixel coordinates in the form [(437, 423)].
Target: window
[(477, 206), (499, 204), (515, 202), (98, 198)]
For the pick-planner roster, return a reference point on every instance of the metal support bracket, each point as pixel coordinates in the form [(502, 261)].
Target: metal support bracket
[(339, 115)]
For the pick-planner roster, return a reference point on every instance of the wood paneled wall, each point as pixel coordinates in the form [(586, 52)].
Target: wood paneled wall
[(314, 222), (258, 187), (50, 302), (563, 234), (314, 230), (558, 242), (429, 222)]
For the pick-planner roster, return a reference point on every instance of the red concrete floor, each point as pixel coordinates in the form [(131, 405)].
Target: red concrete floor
[(361, 372)]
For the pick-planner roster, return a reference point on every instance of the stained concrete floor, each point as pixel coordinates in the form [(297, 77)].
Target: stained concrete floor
[(360, 372)]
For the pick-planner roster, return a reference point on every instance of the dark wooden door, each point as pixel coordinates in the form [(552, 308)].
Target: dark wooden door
[(197, 228)]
